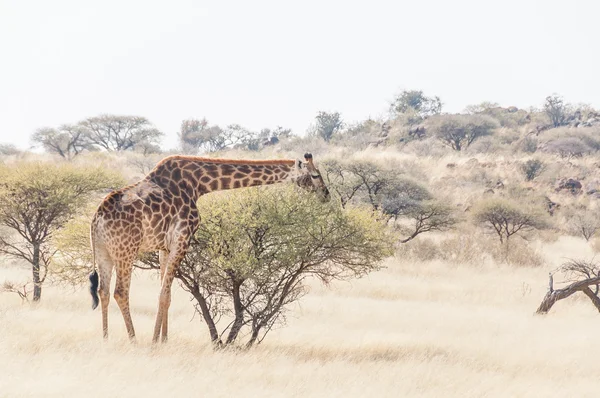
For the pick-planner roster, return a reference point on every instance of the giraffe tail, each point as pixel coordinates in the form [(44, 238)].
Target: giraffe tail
[(94, 273)]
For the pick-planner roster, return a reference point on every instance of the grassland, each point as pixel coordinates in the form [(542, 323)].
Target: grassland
[(413, 329)]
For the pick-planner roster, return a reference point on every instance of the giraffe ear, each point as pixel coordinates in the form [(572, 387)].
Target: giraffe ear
[(299, 164)]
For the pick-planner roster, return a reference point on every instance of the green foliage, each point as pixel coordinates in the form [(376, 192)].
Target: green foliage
[(255, 248), (73, 258), (414, 101), (459, 131), (532, 168), (36, 200), (328, 124)]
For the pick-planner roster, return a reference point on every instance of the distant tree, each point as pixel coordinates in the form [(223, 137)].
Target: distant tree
[(66, 141), (266, 137), (369, 183), (556, 109), (8, 149), (532, 168), (568, 147), (507, 218), (584, 222), (459, 131), (416, 101), (194, 134), (147, 148), (397, 197), (482, 107), (328, 124), (120, 133), (36, 200), (197, 135), (429, 216)]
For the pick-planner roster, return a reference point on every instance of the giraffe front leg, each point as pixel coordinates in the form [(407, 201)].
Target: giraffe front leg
[(168, 274), (163, 256), (162, 315)]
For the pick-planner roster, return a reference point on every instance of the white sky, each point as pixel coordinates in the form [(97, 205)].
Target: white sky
[(268, 63)]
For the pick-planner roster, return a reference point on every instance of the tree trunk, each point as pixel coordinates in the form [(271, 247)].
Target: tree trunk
[(37, 284), (239, 313), (210, 323), (581, 286), (595, 299), (254, 336)]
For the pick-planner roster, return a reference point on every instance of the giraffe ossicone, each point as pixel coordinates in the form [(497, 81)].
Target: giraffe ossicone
[(159, 213)]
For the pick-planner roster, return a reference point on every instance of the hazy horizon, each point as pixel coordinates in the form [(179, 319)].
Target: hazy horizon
[(267, 64)]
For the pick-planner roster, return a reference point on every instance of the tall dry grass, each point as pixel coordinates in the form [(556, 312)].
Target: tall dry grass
[(426, 329)]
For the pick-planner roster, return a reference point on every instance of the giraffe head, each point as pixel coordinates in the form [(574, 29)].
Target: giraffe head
[(310, 177)]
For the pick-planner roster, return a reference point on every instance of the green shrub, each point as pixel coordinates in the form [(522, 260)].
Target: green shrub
[(255, 248)]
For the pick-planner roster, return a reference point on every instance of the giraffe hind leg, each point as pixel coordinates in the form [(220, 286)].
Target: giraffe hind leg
[(105, 266), (122, 286)]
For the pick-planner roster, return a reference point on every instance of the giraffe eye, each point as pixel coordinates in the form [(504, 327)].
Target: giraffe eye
[(315, 176)]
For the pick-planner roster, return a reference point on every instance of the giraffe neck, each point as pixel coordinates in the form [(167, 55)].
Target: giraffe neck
[(198, 176)]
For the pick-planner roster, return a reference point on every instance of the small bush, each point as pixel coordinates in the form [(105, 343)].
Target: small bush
[(528, 145), (520, 253), (462, 249), (568, 147), (532, 168), (583, 222)]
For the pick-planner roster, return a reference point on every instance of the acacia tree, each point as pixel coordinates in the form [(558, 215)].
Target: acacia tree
[(380, 187), (120, 133), (460, 131), (66, 141), (255, 249), (507, 218), (36, 200), (427, 217), (409, 204)]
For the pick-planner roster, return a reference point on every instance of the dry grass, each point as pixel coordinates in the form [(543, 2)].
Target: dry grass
[(414, 329)]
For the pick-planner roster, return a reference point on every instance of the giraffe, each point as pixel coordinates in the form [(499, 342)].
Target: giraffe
[(159, 213)]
